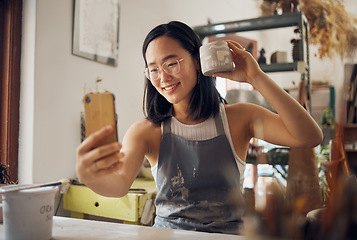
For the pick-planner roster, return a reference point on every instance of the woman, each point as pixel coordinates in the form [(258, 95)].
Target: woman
[(195, 144)]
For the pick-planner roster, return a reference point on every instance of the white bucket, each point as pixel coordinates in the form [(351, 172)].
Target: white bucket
[(28, 213)]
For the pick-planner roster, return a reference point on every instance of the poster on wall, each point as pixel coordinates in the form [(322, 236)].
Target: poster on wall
[(96, 30)]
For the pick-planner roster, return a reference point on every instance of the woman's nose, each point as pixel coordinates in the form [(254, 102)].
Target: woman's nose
[(164, 76)]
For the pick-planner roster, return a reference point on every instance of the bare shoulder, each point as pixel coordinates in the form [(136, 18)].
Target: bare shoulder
[(144, 129), (241, 110), (146, 134), (145, 125)]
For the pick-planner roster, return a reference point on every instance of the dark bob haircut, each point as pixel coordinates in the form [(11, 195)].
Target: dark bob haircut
[(205, 99)]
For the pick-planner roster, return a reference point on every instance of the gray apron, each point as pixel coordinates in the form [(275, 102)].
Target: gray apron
[(196, 181)]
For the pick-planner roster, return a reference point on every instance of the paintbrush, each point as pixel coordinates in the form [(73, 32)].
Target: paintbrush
[(14, 188)]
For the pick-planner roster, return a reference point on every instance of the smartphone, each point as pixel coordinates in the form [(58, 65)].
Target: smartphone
[(99, 111)]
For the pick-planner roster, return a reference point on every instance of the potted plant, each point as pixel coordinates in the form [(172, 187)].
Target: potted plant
[(4, 177), (331, 27)]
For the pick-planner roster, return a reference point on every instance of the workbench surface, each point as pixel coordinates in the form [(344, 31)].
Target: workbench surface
[(76, 229)]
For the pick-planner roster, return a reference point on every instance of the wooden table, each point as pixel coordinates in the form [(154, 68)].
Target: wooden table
[(77, 229)]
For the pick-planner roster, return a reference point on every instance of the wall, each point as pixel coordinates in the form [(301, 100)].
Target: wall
[(53, 79)]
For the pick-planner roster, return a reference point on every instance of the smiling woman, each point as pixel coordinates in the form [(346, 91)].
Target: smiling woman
[(196, 145), (10, 45)]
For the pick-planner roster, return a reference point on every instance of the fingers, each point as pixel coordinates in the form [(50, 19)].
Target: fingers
[(107, 164), (106, 154), (93, 140), (92, 158), (236, 50), (109, 170), (99, 162), (236, 47)]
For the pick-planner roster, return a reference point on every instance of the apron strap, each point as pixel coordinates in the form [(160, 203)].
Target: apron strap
[(166, 126)]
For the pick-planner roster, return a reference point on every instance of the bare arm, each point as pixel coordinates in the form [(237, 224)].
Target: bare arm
[(293, 125), (111, 169)]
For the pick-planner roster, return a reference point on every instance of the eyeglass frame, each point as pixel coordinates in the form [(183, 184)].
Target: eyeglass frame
[(147, 74)]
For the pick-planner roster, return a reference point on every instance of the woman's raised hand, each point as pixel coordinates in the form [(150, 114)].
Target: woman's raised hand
[(246, 67)]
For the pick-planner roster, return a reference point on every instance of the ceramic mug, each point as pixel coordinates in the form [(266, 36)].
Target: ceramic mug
[(216, 57)]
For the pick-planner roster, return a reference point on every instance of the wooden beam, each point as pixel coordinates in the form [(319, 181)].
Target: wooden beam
[(10, 43)]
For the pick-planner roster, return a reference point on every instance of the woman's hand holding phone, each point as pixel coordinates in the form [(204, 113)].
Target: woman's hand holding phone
[(95, 160)]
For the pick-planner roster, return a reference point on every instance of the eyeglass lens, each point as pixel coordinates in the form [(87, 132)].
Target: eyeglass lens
[(171, 67)]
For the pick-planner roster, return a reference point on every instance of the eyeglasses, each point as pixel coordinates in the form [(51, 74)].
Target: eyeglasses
[(171, 67)]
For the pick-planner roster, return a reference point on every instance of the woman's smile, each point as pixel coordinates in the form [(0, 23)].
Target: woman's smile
[(171, 87)]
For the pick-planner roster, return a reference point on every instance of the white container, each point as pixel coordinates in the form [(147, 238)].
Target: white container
[(216, 57), (28, 213)]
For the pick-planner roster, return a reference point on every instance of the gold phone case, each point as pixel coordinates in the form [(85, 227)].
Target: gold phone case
[(99, 111)]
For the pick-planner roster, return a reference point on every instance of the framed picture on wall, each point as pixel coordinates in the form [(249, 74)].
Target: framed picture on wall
[(96, 30)]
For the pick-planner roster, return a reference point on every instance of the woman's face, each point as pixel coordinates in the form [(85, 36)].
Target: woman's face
[(175, 88)]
